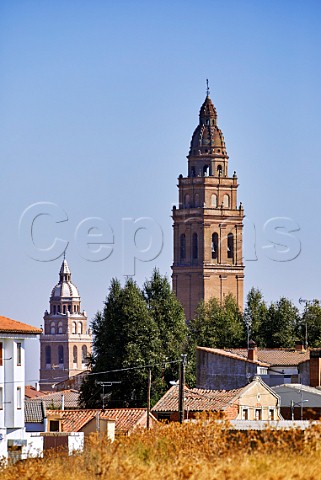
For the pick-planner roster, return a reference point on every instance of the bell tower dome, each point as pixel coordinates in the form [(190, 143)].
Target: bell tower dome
[(66, 341), (208, 221)]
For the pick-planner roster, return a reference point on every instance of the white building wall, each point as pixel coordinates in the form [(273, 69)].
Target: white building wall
[(13, 379), (3, 444), (34, 446), (75, 442), (2, 393)]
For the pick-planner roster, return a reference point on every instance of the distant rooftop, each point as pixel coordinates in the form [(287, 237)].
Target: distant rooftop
[(265, 356), (7, 325)]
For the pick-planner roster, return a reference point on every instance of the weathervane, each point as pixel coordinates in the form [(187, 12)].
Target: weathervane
[(207, 88)]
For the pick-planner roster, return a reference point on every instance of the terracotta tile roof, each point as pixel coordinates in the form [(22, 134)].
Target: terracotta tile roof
[(53, 400), (7, 325), (234, 353), (32, 392), (276, 356), (126, 419), (73, 420), (196, 399), (34, 411)]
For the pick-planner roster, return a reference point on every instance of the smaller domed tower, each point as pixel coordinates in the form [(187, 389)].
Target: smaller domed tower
[(66, 341)]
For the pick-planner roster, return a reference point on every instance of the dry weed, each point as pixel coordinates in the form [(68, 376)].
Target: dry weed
[(204, 449)]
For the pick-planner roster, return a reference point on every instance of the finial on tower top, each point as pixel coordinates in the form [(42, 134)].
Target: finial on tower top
[(64, 254), (207, 88)]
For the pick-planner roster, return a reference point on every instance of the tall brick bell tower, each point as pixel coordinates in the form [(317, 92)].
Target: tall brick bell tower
[(208, 222)]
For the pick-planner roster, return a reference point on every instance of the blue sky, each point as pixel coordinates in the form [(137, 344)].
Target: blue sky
[(99, 101)]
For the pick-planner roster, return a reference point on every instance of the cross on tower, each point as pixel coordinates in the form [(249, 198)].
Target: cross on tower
[(207, 88)]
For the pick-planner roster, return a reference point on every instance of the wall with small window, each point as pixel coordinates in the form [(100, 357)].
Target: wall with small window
[(13, 361), (84, 354), (75, 356), (182, 247), (48, 360)]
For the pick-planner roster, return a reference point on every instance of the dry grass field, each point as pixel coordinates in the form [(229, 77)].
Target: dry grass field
[(202, 450)]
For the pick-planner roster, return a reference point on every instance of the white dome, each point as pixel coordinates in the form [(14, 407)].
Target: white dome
[(65, 288)]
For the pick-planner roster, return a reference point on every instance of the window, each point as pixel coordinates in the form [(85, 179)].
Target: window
[(60, 355), (230, 245), (182, 246), (187, 201), (205, 169), (73, 328), (245, 414), (19, 398), (79, 328), (19, 354), (214, 245), (271, 414), (64, 309), (54, 309), (219, 170), (84, 354), (195, 246), (54, 426), (226, 201), (193, 170), (197, 200), (69, 308), (52, 329), (75, 354), (59, 327), (258, 414), (48, 355), (214, 200), (1, 354), (1, 398)]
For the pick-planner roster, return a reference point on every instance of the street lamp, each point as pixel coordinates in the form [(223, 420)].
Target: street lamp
[(297, 404)]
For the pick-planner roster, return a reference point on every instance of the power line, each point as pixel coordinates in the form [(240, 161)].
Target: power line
[(141, 367)]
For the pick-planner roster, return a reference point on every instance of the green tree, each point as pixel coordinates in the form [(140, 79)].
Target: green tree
[(168, 314), (136, 328), (255, 316), (310, 325), (214, 326), (280, 329), (126, 336)]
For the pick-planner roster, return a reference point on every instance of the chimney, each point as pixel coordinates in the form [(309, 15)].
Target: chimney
[(299, 347), (62, 402), (252, 351), (315, 368)]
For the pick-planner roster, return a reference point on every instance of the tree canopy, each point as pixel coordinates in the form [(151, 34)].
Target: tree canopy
[(273, 326), (145, 328), (214, 326), (135, 329)]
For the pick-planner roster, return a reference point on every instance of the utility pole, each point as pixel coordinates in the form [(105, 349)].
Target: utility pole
[(181, 406), (148, 396), (307, 303)]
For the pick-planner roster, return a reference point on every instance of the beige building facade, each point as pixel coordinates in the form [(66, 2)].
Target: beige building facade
[(208, 222), (66, 341)]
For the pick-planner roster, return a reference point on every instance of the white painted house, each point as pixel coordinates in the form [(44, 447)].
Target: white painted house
[(14, 441)]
